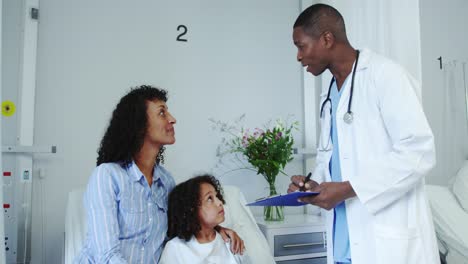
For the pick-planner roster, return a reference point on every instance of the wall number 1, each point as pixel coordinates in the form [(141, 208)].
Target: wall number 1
[(182, 28)]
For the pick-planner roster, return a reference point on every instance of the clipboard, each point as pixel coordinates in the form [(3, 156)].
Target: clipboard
[(289, 199)]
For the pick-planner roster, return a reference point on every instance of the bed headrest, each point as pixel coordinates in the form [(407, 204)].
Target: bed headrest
[(460, 186), (75, 225)]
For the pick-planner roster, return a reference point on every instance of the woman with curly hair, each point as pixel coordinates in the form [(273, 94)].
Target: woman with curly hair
[(127, 194), (195, 212)]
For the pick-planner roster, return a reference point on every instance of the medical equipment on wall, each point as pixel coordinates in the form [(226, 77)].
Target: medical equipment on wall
[(348, 117)]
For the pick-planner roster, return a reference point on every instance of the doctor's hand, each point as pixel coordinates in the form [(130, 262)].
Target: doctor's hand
[(237, 244), (297, 184), (331, 194)]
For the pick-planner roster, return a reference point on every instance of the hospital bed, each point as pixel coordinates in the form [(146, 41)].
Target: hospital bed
[(449, 207), (237, 217)]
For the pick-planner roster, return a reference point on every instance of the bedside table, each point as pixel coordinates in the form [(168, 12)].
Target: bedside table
[(299, 239)]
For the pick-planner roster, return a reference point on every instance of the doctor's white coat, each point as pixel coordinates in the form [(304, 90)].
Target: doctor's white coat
[(384, 153)]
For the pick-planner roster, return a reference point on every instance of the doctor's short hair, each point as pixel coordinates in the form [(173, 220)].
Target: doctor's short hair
[(319, 18), (184, 203)]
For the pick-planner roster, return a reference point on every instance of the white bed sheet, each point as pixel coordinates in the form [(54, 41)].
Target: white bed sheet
[(450, 222)]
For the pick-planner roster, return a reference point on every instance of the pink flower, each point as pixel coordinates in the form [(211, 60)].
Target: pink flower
[(258, 133), (278, 135), (245, 140)]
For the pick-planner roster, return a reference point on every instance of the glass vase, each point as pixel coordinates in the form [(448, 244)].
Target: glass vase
[(273, 213)]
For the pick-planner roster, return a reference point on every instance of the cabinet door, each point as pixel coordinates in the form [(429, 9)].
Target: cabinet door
[(305, 261), (296, 244)]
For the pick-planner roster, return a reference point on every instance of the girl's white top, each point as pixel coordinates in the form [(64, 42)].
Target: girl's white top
[(179, 251)]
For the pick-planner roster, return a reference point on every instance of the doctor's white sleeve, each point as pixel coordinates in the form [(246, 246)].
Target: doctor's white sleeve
[(412, 155), (321, 167)]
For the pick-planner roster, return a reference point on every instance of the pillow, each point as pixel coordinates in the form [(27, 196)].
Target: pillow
[(239, 218), (460, 186)]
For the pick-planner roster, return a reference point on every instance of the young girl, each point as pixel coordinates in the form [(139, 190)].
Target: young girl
[(195, 211)]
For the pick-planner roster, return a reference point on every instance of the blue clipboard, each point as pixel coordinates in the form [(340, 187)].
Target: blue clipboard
[(289, 199)]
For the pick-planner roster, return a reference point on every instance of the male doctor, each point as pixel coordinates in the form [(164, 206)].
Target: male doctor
[(374, 149)]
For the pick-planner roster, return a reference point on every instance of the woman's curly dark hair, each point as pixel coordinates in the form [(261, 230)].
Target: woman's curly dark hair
[(127, 128), (184, 201)]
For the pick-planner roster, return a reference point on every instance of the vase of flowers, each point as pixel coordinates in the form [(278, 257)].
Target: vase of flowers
[(267, 150), (273, 213)]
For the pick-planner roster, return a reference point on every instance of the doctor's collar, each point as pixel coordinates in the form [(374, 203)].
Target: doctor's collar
[(364, 59)]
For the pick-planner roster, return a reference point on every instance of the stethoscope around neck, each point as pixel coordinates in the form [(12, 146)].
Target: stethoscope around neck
[(348, 116)]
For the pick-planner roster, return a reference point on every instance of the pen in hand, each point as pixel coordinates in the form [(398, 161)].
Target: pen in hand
[(303, 189)]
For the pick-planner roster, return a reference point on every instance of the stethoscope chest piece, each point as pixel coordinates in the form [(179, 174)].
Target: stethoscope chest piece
[(348, 117)]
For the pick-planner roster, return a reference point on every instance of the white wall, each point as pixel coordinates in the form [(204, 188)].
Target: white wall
[(239, 59), (443, 33)]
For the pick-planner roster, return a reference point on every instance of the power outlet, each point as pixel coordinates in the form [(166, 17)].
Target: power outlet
[(26, 175), (7, 246), (6, 209), (10, 241), (9, 249), (7, 213)]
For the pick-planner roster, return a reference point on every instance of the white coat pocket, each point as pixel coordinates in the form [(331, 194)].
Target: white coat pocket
[(396, 245)]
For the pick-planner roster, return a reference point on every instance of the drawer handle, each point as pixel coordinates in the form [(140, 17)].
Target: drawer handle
[(303, 245)]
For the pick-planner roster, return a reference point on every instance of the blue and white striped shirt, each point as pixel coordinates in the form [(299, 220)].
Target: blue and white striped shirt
[(127, 219)]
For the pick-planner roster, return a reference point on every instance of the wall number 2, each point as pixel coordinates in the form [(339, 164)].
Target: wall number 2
[(183, 30)]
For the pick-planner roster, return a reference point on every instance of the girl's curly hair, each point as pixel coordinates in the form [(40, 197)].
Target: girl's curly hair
[(184, 202), (127, 128)]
